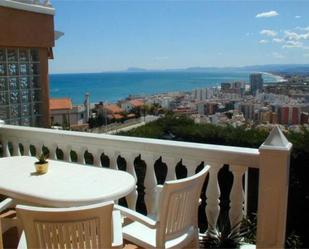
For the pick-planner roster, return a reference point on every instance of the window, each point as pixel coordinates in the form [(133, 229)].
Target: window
[(20, 89)]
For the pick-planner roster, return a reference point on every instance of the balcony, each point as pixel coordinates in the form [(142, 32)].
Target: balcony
[(122, 153), (38, 6)]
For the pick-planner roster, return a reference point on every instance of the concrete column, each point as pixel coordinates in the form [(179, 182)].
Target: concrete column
[(273, 190)]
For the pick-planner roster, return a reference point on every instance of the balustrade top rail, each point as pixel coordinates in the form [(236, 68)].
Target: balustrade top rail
[(217, 154)]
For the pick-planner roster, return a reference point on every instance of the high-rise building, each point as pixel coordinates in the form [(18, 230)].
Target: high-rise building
[(284, 115), (248, 110), (295, 115), (26, 40), (256, 83), (304, 118)]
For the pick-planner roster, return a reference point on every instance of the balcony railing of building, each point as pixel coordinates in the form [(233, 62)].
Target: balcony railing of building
[(271, 159), (39, 6)]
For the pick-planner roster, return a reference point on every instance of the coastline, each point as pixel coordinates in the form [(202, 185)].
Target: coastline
[(278, 78), (117, 86)]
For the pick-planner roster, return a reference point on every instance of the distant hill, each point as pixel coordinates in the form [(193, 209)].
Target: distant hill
[(279, 68)]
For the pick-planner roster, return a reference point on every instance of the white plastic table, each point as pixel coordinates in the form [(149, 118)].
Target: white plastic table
[(64, 185)]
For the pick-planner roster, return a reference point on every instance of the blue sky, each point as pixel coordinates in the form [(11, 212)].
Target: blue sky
[(114, 35)]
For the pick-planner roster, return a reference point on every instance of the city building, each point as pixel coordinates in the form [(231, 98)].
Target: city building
[(304, 118), (66, 115), (284, 112), (202, 94), (256, 83), (129, 105), (26, 40), (60, 110), (295, 115), (248, 110)]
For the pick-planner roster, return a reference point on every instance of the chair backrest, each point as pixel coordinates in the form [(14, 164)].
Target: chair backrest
[(178, 206), (78, 227)]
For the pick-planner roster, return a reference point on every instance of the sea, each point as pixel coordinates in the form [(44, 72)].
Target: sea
[(113, 86)]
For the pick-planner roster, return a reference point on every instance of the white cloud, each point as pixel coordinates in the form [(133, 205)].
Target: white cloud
[(297, 17), (293, 44), (263, 41), (278, 40), (278, 55), (306, 55), (293, 36), (303, 28), (271, 13), (268, 32)]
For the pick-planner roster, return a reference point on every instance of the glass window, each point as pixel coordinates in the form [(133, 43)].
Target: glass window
[(25, 96), (36, 95), (20, 89), (12, 55), (14, 112), (12, 69), (34, 81), (2, 55), (4, 110), (14, 97), (36, 109), (34, 55), (2, 69), (13, 84), (3, 86), (23, 69), (23, 55), (26, 121), (24, 83), (3, 98), (25, 110), (34, 68)]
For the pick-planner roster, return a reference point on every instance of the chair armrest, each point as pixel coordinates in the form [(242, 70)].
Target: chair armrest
[(117, 229), (158, 191), (135, 216), (7, 203)]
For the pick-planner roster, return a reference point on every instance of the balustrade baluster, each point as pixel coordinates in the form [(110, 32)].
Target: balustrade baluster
[(6, 151), (27, 151), (16, 149), (38, 149), (67, 154), (213, 201), (52, 151), (132, 197), (237, 197), (112, 159), (150, 183), (97, 159), (81, 155), (171, 163)]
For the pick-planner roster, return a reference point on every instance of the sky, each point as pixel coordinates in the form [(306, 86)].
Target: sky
[(115, 35)]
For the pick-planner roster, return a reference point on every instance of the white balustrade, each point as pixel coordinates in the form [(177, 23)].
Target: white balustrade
[(272, 159), (237, 197), (150, 183), (213, 201), (132, 197)]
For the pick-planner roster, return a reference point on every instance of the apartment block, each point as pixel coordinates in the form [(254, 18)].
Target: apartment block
[(26, 40)]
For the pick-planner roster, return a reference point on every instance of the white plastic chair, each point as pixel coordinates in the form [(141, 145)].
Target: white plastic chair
[(95, 226), (176, 223), (6, 224)]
